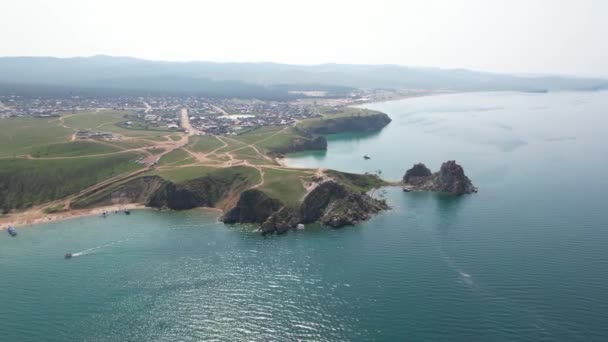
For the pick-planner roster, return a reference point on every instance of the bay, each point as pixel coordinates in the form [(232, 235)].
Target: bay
[(523, 260)]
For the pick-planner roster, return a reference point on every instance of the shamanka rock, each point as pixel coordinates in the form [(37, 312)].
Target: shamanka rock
[(418, 174), (450, 179)]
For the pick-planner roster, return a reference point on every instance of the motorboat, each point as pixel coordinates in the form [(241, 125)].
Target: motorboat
[(367, 157), (127, 212), (12, 231), (406, 189), (67, 256)]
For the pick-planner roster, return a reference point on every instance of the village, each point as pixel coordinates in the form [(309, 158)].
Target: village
[(207, 116)]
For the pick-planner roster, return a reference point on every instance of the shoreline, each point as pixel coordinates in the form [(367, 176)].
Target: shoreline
[(35, 216)]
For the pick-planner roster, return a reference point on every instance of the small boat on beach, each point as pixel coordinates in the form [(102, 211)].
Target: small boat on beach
[(11, 231)]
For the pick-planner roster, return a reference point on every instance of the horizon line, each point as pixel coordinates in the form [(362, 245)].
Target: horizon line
[(518, 74)]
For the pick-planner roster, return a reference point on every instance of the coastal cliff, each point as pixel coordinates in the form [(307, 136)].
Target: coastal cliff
[(450, 179), (329, 203), (254, 206), (276, 199), (157, 192), (305, 143), (364, 123), (335, 199)]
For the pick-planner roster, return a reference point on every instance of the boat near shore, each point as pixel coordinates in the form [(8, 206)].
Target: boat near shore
[(11, 231)]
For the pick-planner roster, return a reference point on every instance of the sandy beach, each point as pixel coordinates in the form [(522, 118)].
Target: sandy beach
[(34, 216)]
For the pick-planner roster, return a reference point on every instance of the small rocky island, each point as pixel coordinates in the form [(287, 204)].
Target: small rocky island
[(450, 179)]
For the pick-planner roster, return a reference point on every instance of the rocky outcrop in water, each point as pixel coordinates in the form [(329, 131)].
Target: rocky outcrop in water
[(418, 174), (450, 179)]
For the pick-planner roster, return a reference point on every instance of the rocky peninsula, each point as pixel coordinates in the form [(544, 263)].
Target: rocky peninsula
[(241, 176)]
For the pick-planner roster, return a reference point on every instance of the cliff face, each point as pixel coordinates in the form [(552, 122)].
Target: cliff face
[(450, 179), (330, 203), (200, 192), (303, 144), (138, 190), (366, 123), (253, 206)]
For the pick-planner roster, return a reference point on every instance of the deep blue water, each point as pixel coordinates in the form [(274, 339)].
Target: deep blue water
[(525, 259)]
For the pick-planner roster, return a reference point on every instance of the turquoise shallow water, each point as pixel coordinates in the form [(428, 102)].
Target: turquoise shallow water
[(525, 259)]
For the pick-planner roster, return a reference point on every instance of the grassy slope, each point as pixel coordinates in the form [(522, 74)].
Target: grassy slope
[(284, 185), (184, 174), (27, 182), (269, 139), (249, 154), (356, 182), (176, 157), (232, 144), (106, 121), (73, 149), (330, 113), (23, 135), (203, 143)]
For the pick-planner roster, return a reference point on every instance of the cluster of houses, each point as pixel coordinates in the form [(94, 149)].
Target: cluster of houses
[(86, 134), (228, 116), (17, 106), (154, 118)]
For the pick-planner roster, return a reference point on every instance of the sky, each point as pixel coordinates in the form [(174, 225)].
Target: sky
[(567, 37)]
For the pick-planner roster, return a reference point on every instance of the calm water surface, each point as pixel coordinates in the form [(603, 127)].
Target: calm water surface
[(525, 259)]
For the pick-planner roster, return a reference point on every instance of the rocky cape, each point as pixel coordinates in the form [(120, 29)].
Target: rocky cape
[(449, 179), (336, 200), (332, 198), (329, 203), (371, 122)]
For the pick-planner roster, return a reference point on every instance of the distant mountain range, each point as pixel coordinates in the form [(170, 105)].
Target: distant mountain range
[(263, 80)]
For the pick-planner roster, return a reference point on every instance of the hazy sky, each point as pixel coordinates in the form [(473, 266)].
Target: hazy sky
[(521, 36)]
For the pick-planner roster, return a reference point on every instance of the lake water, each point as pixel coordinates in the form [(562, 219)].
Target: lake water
[(525, 259)]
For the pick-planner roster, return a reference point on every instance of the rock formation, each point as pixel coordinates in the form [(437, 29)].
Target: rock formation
[(253, 206), (329, 203), (417, 175), (450, 179)]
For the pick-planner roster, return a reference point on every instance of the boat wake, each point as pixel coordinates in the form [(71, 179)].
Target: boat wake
[(95, 249), (537, 320)]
